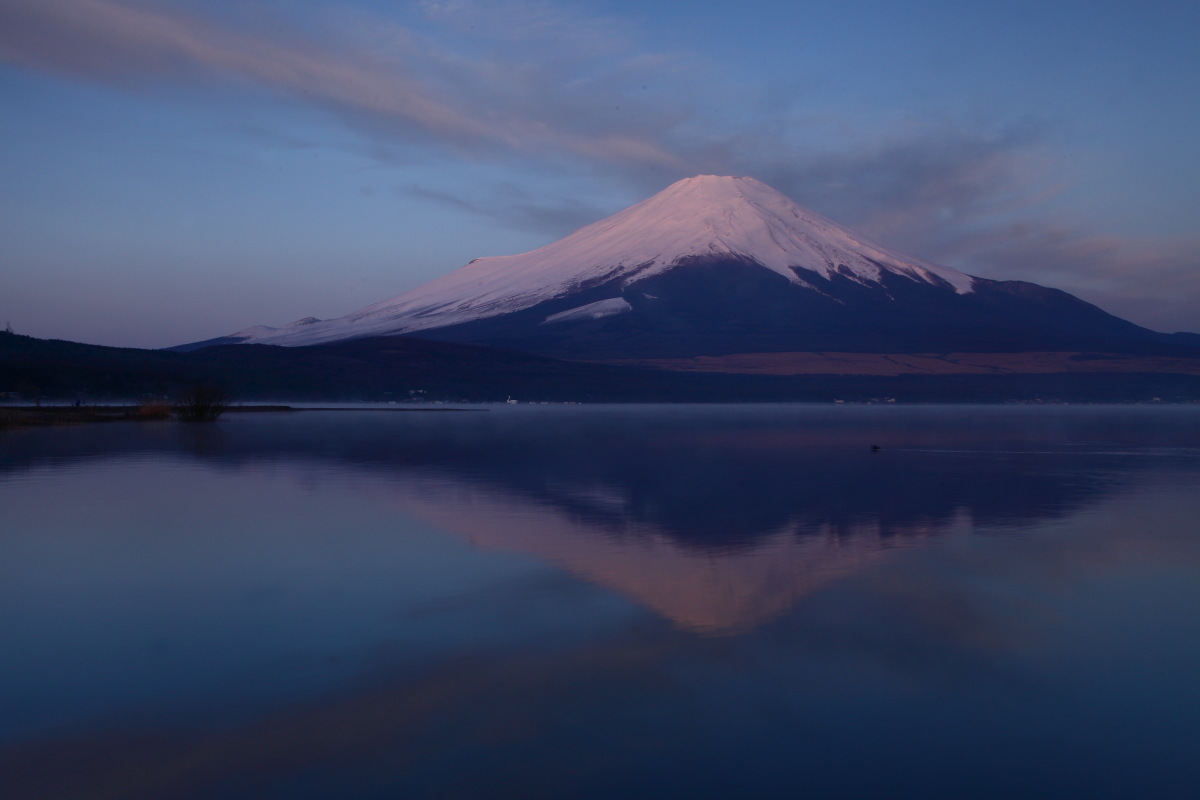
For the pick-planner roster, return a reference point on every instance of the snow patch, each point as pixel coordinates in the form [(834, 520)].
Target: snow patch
[(597, 310), (256, 332)]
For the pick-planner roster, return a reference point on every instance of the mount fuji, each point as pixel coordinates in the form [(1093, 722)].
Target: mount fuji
[(719, 266)]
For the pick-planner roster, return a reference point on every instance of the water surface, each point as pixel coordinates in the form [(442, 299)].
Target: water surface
[(710, 601)]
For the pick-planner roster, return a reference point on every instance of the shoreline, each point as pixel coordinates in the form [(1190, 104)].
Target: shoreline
[(45, 416)]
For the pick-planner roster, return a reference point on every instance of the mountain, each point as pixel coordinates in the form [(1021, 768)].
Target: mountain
[(715, 266)]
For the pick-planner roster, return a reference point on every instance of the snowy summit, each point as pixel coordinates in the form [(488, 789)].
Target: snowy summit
[(715, 266), (704, 216)]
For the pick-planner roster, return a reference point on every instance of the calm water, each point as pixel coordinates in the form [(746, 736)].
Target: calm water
[(605, 602)]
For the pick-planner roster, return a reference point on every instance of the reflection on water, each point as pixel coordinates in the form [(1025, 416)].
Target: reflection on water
[(713, 583), (590, 601)]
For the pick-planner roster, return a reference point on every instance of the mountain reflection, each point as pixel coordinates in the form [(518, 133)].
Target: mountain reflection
[(718, 519), (703, 589)]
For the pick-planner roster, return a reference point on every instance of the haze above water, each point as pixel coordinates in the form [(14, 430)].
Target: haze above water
[(739, 601)]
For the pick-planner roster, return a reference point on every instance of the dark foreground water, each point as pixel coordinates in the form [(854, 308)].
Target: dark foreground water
[(576, 602)]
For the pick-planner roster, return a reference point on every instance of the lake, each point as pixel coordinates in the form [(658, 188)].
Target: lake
[(605, 602)]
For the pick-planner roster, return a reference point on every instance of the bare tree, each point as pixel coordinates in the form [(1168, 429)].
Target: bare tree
[(202, 403)]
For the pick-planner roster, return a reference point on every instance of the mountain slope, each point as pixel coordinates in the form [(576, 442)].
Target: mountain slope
[(719, 265)]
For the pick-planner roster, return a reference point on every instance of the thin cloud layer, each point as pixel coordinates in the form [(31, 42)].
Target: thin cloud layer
[(395, 91), (983, 202), (514, 205), (122, 43)]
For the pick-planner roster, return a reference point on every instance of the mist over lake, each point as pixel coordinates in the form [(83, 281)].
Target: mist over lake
[(605, 601)]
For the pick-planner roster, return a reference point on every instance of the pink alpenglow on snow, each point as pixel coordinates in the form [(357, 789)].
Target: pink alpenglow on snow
[(703, 216)]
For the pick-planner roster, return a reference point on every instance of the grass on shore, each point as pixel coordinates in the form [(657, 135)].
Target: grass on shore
[(44, 416)]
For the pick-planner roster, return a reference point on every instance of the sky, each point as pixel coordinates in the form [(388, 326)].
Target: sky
[(174, 170)]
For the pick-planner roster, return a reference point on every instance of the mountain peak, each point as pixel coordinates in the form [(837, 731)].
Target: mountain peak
[(702, 197), (710, 182), (713, 183), (704, 217)]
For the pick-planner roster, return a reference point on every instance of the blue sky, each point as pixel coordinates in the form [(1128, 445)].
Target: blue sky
[(172, 170)]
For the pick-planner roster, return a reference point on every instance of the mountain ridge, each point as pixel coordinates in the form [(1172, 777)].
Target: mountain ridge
[(714, 265)]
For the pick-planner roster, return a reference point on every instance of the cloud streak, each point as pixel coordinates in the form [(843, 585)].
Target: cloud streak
[(396, 91), (984, 203)]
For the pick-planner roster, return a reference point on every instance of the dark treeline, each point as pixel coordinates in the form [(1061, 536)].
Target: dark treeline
[(402, 369)]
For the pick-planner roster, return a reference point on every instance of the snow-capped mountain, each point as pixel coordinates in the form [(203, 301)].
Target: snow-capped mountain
[(716, 265)]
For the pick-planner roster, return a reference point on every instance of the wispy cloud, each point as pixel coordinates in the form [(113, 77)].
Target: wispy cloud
[(392, 81), (137, 45), (515, 205), (983, 201)]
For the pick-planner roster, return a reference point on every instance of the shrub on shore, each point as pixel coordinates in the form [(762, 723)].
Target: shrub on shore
[(201, 404)]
